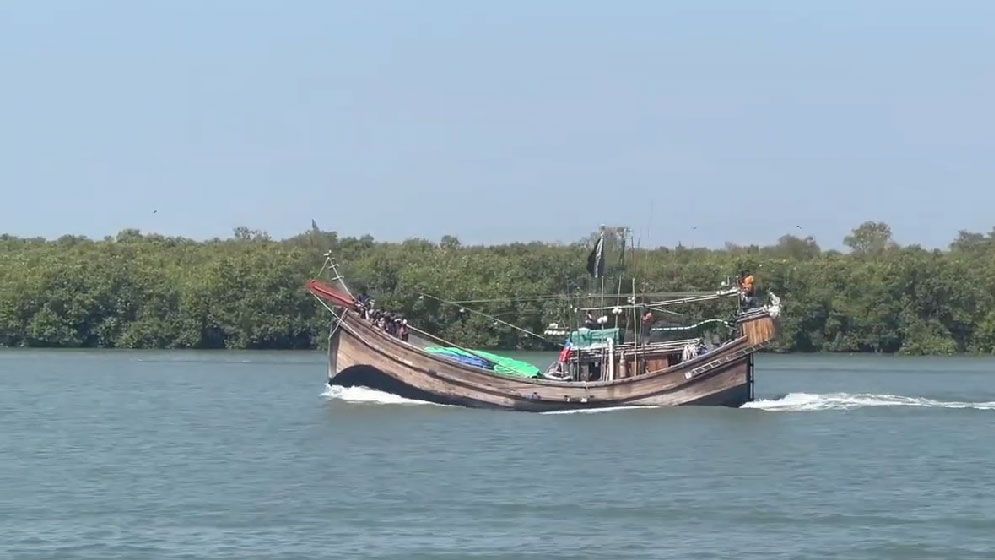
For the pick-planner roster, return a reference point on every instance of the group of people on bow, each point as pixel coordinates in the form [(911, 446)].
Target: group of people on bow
[(393, 324)]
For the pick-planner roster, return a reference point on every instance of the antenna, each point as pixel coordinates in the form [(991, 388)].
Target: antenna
[(649, 222)]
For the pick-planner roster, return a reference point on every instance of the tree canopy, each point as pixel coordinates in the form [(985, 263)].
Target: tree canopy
[(870, 238), (137, 290)]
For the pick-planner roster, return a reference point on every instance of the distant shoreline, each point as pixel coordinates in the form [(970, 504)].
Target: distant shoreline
[(321, 351), (139, 290)]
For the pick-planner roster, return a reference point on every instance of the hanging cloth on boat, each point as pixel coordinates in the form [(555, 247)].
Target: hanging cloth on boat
[(689, 353)]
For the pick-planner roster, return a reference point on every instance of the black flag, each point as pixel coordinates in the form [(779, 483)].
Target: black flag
[(596, 260)]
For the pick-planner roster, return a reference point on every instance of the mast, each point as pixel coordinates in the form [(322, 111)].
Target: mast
[(609, 240)]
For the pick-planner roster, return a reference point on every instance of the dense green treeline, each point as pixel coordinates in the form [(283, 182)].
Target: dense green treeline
[(150, 291)]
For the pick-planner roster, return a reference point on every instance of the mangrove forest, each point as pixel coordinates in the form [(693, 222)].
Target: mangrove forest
[(138, 290)]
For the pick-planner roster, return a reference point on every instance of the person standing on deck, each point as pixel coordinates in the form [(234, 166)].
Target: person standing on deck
[(365, 305), (589, 321), (746, 290), (647, 324), (564, 359)]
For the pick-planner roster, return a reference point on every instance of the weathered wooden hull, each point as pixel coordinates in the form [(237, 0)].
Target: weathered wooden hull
[(362, 355)]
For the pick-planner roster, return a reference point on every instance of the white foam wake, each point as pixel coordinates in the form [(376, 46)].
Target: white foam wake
[(366, 395), (597, 410), (803, 402)]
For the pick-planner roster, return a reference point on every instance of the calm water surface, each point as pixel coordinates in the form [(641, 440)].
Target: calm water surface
[(112, 455)]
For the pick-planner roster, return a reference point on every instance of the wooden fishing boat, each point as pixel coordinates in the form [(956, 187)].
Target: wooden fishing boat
[(605, 372)]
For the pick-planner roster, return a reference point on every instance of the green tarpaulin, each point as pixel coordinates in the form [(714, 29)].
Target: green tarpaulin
[(479, 358), (587, 337)]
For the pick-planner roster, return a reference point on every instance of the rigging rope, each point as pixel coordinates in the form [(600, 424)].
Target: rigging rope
[(587, 295), (325, 305), (491, 317), (659, 304), (689, 327)]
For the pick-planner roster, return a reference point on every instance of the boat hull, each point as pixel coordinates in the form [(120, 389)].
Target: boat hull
[(362, 355)]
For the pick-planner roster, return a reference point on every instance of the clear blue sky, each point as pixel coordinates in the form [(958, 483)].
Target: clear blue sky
[(499, 121)]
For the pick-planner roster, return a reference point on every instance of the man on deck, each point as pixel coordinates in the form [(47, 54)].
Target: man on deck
[(564, 359), (647, 321), (589, 321), (746, 290)]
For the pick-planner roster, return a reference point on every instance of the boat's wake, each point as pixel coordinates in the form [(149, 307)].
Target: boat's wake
[(367, 396), (792, 402), (598, 410), (806, 402)]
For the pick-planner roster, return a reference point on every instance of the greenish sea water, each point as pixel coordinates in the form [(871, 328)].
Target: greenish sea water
[(169, 455)]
